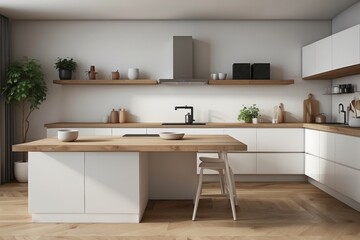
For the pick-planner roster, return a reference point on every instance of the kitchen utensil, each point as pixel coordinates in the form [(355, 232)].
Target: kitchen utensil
[(133, 73), (214, 76), (357, 105), (310, 109), (115, 75), (280, 113), (335, 89), (320, 118), (172, 135), (67, 135), (354, 122), (222, 76), (122, 115), (114, 116)]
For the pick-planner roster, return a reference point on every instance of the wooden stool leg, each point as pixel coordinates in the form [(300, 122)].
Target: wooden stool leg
[(221, 176), (234, 187), (230, 186), (198, 193)]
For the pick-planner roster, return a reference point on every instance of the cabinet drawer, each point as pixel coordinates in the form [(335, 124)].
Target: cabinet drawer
[(205, 131), (312, 139), (280, 163), (347, 150), (327, 146), (347, 181), (312, 167), (280, 140), (327, 173), (244, 135)]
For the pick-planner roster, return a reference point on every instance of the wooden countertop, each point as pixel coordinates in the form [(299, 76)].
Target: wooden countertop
[(158, 125), (190, 143), (334, 128)]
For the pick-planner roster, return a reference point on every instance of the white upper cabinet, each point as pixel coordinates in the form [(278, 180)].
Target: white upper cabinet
[(309, 60), (323, 54), (332, 57), (346, 47)]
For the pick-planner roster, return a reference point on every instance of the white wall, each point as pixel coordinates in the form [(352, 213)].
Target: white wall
[(111, 45), (344, 20)]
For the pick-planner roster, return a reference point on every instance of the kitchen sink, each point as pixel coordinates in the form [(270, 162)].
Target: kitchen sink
[(141, 135), (198, 123)]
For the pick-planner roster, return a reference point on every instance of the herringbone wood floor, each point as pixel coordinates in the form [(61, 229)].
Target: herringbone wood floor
[(266, 211)]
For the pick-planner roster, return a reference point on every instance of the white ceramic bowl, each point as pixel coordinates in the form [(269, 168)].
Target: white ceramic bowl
[(67, 135), (172, 135), (354, 122)]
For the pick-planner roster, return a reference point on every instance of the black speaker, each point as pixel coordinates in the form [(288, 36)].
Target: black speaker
[(241, 71), (260, 71)]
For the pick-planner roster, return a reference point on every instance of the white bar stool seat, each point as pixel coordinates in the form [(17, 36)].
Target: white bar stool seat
[(216, 164)]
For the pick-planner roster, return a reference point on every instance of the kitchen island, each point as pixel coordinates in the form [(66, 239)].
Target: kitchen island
[(106, 178)]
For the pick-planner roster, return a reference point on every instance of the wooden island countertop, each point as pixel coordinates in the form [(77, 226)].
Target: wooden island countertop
[(190, 143)]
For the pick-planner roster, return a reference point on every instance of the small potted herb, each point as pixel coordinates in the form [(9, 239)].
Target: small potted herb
[(65, 66), (248, 114)]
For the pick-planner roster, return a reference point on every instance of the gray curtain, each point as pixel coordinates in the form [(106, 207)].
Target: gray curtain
[(6, 128)]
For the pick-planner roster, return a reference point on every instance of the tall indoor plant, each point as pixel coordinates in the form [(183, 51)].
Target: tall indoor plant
[(25, 85), (65, 66)]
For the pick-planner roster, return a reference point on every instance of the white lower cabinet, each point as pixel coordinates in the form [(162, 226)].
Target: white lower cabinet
[(347, 181), (347, 150), (107, 169), (242, 163), (245, 135), (56, 182), (312, 166), (280, 163), (327, 173), (280, 140)]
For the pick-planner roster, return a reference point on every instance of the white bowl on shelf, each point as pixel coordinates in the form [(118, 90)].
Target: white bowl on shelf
[(172, 135), (67, 135), (354, 122)]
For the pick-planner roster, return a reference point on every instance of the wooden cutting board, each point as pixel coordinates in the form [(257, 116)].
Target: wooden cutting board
[(310, 109)]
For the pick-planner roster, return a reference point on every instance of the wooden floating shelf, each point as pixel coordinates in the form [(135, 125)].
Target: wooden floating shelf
[(250, 82), (107, 82), (337, 73)]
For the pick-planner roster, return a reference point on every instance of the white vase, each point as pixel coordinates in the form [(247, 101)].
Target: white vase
[(255, 120), (21, 171), (133, 73)]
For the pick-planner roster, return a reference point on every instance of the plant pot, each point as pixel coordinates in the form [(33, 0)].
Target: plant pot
[(65, 74), (21, 171), (247, 119), (254, 120)]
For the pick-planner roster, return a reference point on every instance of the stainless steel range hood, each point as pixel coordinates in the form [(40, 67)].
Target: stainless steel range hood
[(183, 62)]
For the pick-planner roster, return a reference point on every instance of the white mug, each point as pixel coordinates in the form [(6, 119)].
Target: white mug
[(222, 76), (133, 73), (214, 76)]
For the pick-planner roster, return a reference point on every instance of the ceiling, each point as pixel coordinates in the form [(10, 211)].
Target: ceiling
[(173, 9)]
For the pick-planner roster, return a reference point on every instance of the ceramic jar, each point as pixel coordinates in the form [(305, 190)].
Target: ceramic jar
[(133, 73)]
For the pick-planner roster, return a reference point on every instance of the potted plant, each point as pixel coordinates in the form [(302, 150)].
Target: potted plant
[(248, 114), (65, 66), (25, 85)]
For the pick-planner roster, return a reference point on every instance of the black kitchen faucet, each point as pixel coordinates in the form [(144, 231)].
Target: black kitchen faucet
[(189, 117)]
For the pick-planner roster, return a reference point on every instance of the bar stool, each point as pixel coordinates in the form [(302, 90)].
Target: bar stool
[(227, 185)]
